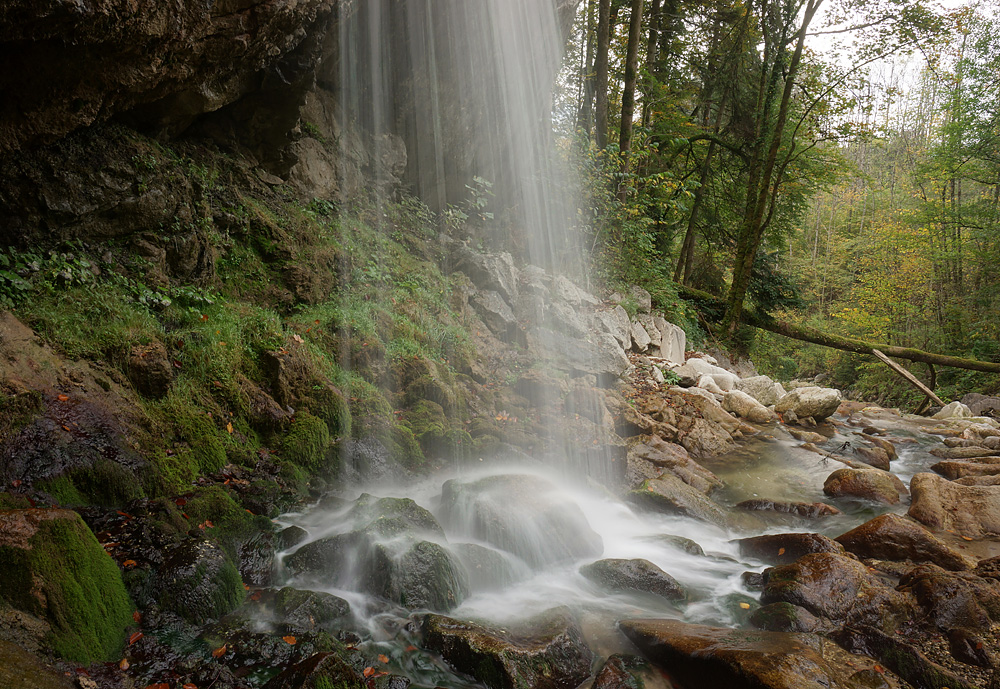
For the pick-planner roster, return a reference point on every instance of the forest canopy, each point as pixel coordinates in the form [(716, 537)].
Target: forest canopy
[(832, 163)]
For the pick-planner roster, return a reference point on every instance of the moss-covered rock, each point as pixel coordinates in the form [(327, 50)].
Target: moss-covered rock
[(306, 442), (105, 483), (53, 567), (224, 520)]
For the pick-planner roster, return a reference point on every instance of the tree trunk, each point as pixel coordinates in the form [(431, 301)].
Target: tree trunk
[(628, 92), (585, 116), (847, 344), (654, 35), (763, 186), (601, 72)]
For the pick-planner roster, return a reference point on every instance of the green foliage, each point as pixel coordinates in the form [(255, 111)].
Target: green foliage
[(307, 442)]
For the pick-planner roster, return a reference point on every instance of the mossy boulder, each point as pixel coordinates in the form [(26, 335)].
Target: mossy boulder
[(104, 483), (53, 567), (545, 652), (306, 442), (199, 582)]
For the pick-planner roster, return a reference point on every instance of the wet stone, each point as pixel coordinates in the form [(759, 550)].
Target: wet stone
[(892, 537), (784, 617), (546, 652), (780, 549), (634, 576)]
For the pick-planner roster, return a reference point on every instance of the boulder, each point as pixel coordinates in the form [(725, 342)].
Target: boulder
[(807, 436), (54, 568), (838, 588), (953, 599), (523, 515), (973, 452), (861, 483), (809, 510), (899, 657), (956, 470), (489, 569), (953, 410), (545, 652), (643, 299), (621, 672), (784, 617), (670, 495), (640, 338), (616, 323), (708, 384), (972, 511), (488, 271), (633, 576), (761, 388), (649, 325), (781, 549), (663, 455), (873, 456), (387, 554), (496, 314), (892, 537), (811, 401), (982, 405), (299, 611), (882, 443), (702, 656), (742, 404), (199, 582), (599, 355), (673, 340), (150, 370), (566, 290)]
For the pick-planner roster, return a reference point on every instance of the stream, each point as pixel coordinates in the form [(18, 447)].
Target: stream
[(539, 554)]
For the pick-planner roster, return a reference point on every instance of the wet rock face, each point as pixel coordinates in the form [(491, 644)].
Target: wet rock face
[(159, 64), (837, 588), (780, 549), (701, 656), (199, 582), (891, 537), (633, 576), (954, 599), (547, 652)]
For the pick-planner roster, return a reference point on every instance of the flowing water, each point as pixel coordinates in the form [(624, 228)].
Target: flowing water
[(467, 87), (541, 527)]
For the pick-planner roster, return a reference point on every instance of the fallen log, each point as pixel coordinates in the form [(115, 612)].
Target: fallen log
[(847, 344), (908, 377)]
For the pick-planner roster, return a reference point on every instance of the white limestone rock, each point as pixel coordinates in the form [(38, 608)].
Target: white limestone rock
[(745, 406)]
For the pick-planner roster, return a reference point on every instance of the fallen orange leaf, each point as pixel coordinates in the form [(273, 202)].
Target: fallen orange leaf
[(781, 551), (189, 686), (255, 596), (966, 538), (383, 658), (229, 427), (745, 606), (129, 564), (137, 616), (411, 647), (135, 637), (290, 640), (65, 428), (368, 671), (879, 669), (219, 652), (123, 664), (63, 398)]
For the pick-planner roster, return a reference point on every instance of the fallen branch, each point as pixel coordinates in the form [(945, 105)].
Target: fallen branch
[(847, 344)]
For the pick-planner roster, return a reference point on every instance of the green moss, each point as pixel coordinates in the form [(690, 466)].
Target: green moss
[(9, 501), (63, 491), (17, 409), (175, 472), (306, 442), (82, 595), (231, 523)]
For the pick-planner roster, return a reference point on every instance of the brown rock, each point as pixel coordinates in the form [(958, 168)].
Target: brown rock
[(674, 458), (974, 452), (151, 370), (838, 588), (780, 549), (701, 656), (547, 652), (882, 443), (670, 495), (873, 456), (953, 599), (621, 672), (860, 483), (809, 510), (955, 469), (892, 537), (972, 511)]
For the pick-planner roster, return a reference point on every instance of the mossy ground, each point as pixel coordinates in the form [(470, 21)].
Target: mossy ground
[(351, 292), (82, 595)]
